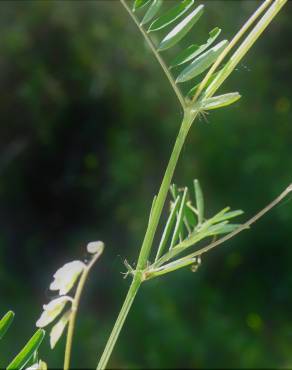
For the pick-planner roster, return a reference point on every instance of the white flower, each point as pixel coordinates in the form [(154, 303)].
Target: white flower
[(38, 366), (33, 367), (66, 276), (95, 247), (52, 310), (58, 329)]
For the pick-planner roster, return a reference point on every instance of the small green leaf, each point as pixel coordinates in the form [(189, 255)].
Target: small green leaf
[(200, 64), (28, 351), (171, 15), (152, 11), (199, 201), (220, 101), (173, 191), (214, 219), (168, 227), (172, 266), (231, 214), (194, 50), (222, 228), (179, 31), (139, 4), (190, 215), (179, 219), (5, 322)]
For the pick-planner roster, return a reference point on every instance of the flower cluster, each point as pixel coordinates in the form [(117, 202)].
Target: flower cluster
[(65, 279)]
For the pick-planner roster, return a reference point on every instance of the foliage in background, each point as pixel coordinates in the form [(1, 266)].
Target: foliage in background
[(65, 144)]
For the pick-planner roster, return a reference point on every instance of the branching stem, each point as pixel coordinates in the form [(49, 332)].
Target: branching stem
[(189, 117)]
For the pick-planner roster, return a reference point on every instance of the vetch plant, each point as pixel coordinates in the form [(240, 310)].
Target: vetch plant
[(189, 231), (187, 224)]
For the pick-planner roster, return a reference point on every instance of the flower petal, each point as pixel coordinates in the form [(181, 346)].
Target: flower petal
[(52, 310), (58, 329), (38, 366), (66, 276), (95, 247)]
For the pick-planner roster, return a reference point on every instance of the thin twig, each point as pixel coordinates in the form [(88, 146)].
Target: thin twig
[(244, 226)]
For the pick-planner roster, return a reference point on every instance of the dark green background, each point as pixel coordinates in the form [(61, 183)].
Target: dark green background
[(87, 125)]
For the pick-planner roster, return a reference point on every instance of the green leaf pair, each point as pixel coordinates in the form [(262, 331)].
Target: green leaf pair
[(29, 350)]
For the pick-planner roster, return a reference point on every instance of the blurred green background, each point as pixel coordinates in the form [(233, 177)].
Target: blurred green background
[(87, 124)]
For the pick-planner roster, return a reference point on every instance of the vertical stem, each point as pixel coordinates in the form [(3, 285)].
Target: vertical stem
[(119, 323), (161, 197), (148, 239)]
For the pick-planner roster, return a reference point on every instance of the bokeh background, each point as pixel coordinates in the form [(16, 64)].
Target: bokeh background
[(87, 124)]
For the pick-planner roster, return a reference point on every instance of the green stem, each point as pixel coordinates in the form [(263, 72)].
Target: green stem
[(74, 309), (245, 46), (163, 191), (119, 323), (148, 239), (232, 43)]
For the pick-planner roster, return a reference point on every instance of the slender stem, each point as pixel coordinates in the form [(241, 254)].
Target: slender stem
[(157, 56), (244, 226), (163, 191), (119, 323), (232, 43), (148, 239), (74, 309), (245, 46)]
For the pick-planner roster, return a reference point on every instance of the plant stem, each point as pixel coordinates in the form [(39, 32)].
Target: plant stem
[(245, 46), (163, 191), (119, 323), (188, 119), (148, 239), (157, 56), (232, 43), (74, 309)]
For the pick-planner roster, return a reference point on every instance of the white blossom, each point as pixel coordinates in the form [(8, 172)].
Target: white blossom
[(95, 247), (52, 310), (58, 329), (38, 366), (66, 276)]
